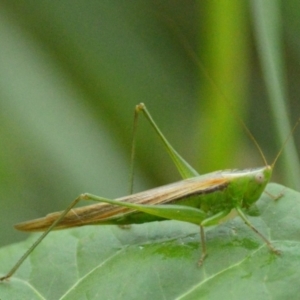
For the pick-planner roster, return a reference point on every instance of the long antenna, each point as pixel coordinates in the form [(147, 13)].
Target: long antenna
[(285, 142), (195, 58)]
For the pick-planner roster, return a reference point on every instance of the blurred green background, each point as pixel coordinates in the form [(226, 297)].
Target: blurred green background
[(71, 73)]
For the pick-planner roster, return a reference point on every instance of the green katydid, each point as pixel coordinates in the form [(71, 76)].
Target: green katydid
[(202, 200)]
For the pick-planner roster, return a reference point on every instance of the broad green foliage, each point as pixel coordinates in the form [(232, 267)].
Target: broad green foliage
[(159, 260)]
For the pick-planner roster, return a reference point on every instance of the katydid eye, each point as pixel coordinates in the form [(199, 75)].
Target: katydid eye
[(259, 178)]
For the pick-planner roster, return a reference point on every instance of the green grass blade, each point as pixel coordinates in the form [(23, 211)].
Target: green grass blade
[(269, 36)]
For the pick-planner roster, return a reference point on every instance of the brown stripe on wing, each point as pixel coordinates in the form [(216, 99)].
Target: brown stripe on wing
[(102, 212), (181, 189)]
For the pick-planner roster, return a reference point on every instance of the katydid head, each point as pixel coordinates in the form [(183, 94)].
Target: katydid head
[(258, 179), (248, 185), (255, 180)]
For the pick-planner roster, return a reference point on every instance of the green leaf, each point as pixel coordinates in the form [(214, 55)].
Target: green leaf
[(159, 260)]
